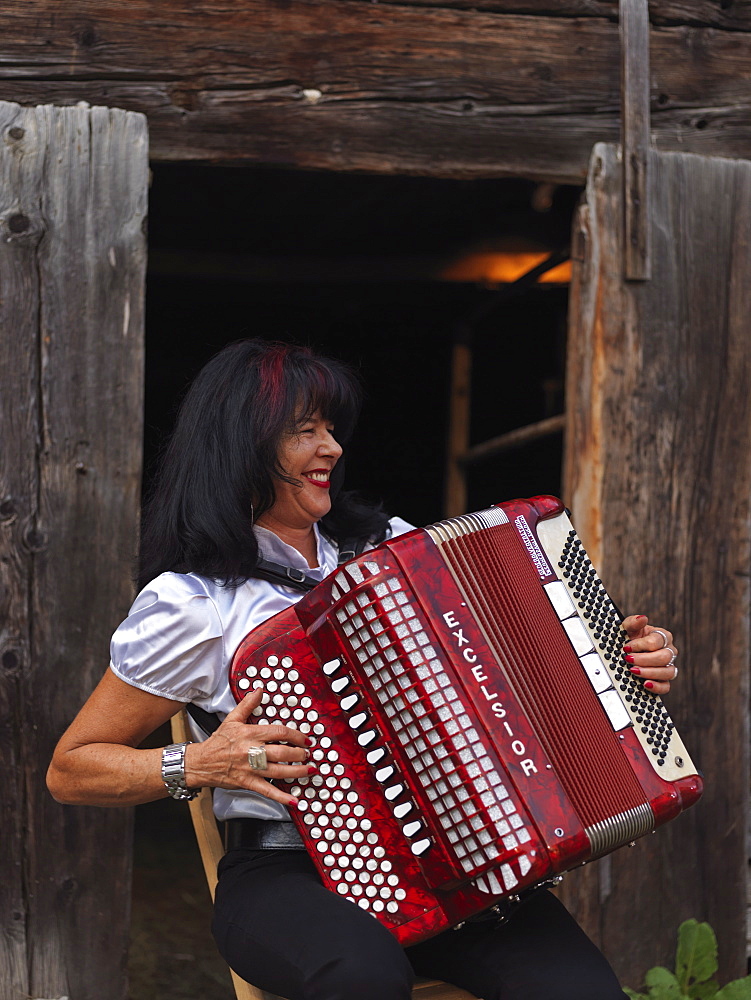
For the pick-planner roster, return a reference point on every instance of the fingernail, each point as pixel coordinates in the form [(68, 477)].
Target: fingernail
[(635, 670), (310, 741), (648, 684), (629, 659), (626, 649), (295, 803), (642, 616), (312, 767)]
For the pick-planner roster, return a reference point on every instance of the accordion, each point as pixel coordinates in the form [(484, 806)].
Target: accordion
[(477, 729)]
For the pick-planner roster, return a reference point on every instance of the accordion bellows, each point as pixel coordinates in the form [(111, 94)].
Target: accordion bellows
[(477, 728)]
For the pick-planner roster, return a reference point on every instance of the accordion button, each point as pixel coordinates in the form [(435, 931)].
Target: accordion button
[(349, 702), (358, 720), (385, 773), (402, 810), (366, 738), (413, 828), (393, 792), (421, 846), (375, 756), (339, 684), (331, 667)]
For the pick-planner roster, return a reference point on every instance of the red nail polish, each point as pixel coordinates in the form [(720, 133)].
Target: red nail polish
[(312, 767), (629, 659), (626, 649), (635, 670), (310, 741), (642, 616), (294, 803), (648, 684)]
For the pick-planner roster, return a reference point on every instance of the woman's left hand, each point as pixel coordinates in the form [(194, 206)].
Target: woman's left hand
[(650, 653)]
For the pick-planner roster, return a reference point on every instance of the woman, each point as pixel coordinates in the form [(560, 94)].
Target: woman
[(251, 484)]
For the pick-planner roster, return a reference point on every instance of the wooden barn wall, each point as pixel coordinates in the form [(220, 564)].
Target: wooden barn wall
[(73, 186), (658, 475), (470, 88)]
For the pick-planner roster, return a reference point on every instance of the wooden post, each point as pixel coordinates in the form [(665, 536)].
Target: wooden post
[(460, 403), (635, 139), (73, 187), (658, 475)]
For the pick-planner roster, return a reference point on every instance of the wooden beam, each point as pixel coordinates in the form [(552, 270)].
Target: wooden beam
[(73, 185), (635, 141), (658, 476), (517, 438), (386, 88)]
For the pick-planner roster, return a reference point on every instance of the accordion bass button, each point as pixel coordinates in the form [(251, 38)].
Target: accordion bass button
[(421, 846)]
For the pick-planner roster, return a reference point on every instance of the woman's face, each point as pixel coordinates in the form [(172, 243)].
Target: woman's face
[(307, 454)]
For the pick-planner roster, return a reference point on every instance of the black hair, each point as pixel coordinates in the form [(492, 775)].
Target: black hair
[(220, 466)]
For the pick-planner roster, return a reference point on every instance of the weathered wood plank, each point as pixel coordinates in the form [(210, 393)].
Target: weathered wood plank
[(635, 139), (72, 260), (404, 88), (658, 474)]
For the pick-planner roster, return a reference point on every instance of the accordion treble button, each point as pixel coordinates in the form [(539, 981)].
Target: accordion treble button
[(331, 667), (402, 810), (393, 792), (349, 702), (366, 738), (358, 720), (339, 684), (375, 756), (384, 773), (413, 828)]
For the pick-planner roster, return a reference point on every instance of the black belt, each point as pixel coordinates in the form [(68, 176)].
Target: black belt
[(260, 835)]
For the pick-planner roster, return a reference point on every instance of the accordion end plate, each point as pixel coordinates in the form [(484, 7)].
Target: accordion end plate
[(615, 831)]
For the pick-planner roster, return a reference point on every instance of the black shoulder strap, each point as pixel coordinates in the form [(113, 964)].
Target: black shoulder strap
[(288, 576)]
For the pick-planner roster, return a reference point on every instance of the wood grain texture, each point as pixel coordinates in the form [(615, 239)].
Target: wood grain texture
[(393, 88), (635, 140), (72, 263), (658, 474)]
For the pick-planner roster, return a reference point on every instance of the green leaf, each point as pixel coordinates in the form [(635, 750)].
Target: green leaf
[(739, 989), (696, 956), (663, 985), (704, 991), (633, 995)]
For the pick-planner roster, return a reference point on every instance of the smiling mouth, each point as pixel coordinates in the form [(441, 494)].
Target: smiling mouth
[(319, 477)]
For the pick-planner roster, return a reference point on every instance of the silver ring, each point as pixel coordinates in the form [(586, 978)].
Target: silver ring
[(257, 758), (671, 661), (664, 635), (675, 674)]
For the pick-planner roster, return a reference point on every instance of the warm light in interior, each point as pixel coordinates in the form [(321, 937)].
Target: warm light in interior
[(504, 267)]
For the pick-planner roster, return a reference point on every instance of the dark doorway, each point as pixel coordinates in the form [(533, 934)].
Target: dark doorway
[(356, 267)]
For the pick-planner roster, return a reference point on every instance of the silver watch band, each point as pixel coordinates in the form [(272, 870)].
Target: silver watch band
[(173, 772)]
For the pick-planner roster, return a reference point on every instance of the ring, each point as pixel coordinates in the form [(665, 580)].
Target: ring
[(257, 758), (671, 661), (664, 637), (675, 674)]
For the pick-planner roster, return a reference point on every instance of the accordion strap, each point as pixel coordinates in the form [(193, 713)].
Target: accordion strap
[(288, 576)]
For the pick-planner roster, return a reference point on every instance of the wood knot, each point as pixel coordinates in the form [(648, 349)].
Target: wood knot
[(16, 132), (34, 539), (18, 223), (11, 660), (7, 509)]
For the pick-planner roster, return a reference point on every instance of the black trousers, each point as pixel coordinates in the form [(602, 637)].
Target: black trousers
[(279, 929)]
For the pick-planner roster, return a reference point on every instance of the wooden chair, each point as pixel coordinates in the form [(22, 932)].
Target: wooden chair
[(212, 849)]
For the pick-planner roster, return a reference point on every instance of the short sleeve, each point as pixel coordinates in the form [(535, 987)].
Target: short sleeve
[(171, 643), (399, 526)]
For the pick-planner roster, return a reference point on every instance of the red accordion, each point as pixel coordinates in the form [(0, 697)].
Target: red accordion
[(478, 730)]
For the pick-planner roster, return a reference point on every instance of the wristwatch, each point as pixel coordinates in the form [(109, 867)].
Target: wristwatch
[(173, 772)]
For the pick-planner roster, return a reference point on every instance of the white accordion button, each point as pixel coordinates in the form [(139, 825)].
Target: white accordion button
[(402, 810), (421, 846), (598, 676), (331, 667), (615, 709), (578, 636), (559, 598)]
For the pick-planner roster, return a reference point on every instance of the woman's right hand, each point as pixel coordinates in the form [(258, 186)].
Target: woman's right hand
[(221, 761)]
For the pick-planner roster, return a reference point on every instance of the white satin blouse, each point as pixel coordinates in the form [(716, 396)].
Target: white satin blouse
[(183, 629)]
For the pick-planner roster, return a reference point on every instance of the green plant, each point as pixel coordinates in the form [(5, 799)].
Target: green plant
[(695, 967)]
